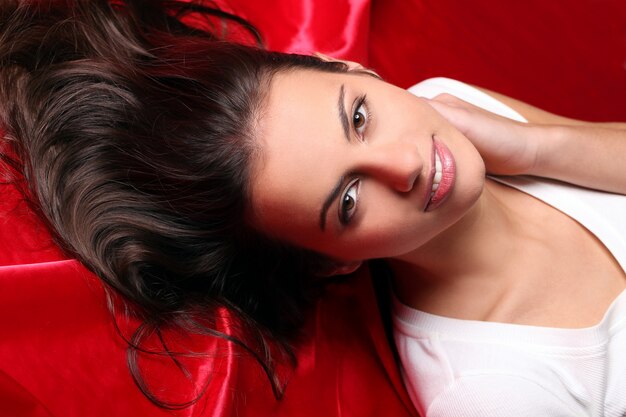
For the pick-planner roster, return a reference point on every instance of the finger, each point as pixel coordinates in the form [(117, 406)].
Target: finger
[(454, 101), (448, 110), (448, 99)]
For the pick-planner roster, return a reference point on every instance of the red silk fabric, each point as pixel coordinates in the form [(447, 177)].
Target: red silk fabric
[(60, 353)]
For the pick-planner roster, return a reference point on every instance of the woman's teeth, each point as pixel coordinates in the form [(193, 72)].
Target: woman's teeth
[(438, 174)]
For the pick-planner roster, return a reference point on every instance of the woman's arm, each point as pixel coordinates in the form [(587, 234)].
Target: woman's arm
[(587, 154), (536, 115)]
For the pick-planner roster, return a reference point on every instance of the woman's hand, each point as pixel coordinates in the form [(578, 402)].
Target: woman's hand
[(588, 154), (508, 147)]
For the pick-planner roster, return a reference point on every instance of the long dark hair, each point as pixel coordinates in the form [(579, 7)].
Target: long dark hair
[(133, 125)]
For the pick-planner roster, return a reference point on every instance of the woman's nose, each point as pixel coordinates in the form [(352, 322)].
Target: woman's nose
[(396, 163)]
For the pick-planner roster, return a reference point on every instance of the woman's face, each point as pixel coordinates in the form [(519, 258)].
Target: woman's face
[(348, 164)]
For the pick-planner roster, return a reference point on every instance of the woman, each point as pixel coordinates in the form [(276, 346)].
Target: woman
[(402, 183), (170, 176)]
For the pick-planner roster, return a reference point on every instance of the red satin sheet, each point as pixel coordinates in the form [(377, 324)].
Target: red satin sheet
[(60, 353)]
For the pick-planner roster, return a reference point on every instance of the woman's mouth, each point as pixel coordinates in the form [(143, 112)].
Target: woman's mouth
[(442, 177)]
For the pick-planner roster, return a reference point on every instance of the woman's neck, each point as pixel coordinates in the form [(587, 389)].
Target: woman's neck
[(463, 272)]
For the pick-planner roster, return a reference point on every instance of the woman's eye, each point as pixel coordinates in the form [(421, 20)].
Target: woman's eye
[(360, 116), (349, 200)]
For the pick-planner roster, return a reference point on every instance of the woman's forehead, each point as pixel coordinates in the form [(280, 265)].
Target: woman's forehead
[(301, 87), (297, 137)]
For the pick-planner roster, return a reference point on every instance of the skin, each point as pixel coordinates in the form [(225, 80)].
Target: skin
[(446, 261)]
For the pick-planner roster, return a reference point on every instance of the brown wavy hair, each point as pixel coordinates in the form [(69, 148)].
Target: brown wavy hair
[(133, 125)]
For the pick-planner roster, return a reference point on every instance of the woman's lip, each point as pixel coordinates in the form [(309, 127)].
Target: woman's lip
[(448, 176)]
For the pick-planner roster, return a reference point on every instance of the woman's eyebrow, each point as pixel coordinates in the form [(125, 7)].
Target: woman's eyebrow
[(343, 118), (334, 193)]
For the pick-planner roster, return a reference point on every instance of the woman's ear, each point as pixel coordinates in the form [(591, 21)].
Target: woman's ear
[(352, 66), (340, 268)]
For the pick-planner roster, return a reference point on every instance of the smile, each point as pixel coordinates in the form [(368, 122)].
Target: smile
[(442, 176)]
